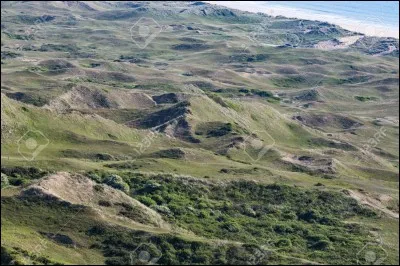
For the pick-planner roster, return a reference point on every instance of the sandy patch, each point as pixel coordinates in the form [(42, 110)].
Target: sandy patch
[(376, 202), (79, 189), (340, 43)]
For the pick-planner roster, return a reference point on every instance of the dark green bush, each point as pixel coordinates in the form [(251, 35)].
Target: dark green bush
[(117, 182)]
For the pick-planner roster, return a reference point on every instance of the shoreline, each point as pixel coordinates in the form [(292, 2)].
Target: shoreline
[(374, 28)]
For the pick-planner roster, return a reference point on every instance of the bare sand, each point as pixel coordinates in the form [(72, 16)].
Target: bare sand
[(341, 44)]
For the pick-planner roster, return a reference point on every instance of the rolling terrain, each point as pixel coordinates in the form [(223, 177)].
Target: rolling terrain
[(197, 134)]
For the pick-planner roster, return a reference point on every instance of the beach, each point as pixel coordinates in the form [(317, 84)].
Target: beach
[(372, 23)]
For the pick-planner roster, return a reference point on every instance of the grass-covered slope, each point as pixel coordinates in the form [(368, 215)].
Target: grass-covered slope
[(228, 138)]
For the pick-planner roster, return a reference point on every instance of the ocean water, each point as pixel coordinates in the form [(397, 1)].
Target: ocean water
[(376, 18), (385, 12)]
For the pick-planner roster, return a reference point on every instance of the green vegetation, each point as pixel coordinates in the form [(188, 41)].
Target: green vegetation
[(365, 98), (308, 220), (294, 220), (119, 245), (205, 147), (17, 176), (112, 180)]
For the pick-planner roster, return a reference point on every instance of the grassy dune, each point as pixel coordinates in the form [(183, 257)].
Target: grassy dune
[(252, 144)]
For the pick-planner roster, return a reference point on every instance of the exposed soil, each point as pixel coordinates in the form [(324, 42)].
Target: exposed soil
[(104, 76), (327, 120), (377, 202), (311, 164), (335, 144), (80, 190), (307, 95), (341, 43), (172, 121), (87, 98), (167, 98), (56, 66)]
